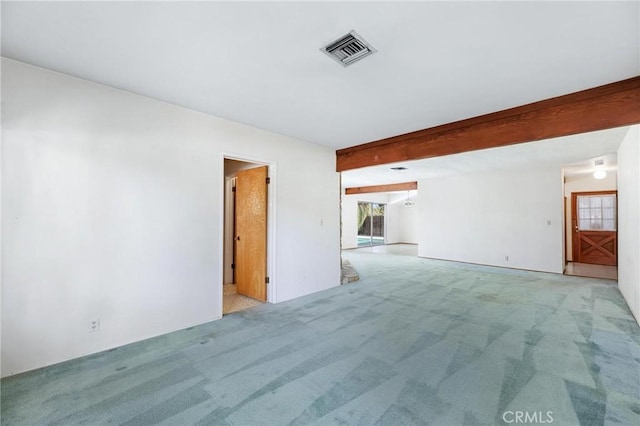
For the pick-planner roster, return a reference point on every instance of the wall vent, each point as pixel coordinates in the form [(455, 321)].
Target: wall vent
[(348, 49)]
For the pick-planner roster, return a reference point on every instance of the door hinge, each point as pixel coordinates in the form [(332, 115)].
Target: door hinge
[(266, 280), (233, 266), (233, 189), (268, 180)]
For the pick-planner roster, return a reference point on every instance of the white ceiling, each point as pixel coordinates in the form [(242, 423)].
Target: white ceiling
[(260, 64), (574, 154)]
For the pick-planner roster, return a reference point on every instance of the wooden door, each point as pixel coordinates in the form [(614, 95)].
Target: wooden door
[(594, 224), (251, 233)]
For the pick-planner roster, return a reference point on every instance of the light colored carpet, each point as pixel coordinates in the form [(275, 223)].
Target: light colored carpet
[(233, 302), (415, 341)]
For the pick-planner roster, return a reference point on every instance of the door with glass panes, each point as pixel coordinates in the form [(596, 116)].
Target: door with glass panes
[(371, 224), (594, 221)]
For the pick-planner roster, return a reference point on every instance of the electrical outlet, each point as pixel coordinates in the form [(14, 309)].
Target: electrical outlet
[(94, 325), (506, 258)]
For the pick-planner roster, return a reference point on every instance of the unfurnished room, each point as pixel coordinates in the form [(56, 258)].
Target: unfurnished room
[(271, 213)]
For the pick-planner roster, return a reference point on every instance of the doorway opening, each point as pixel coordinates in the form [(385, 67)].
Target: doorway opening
[(371, 224), (591, 225), (245, 277)]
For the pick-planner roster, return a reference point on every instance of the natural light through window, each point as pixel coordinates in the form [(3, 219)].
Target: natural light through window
[(597, 212)]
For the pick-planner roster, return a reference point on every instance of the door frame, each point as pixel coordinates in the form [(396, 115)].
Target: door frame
[(574, 214), (271, 225)]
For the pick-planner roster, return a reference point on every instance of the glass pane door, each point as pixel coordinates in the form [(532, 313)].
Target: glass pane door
[(370, 224), (377, 224)]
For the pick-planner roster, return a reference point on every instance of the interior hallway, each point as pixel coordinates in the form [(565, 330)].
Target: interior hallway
[(415, 341)]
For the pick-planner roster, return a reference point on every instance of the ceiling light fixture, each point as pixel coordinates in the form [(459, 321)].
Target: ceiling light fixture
[(599, 173), (409, 202)]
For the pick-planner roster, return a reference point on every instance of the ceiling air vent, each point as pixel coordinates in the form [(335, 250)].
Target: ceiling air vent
[(348, 49)]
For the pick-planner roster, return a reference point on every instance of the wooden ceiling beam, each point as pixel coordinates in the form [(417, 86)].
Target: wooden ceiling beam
[(405, 186), (604, 107)]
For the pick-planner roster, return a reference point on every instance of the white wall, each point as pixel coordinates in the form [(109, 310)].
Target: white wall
[(394, 223), (586, 182), (409, 229), (404, 227), (112, 209), (483, 217), (629, 220), (583, 183)]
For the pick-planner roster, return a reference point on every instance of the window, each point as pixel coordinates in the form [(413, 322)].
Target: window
[(597, 212), (370, 224)]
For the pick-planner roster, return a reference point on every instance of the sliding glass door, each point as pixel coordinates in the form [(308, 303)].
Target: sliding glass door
[(370, 224)]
